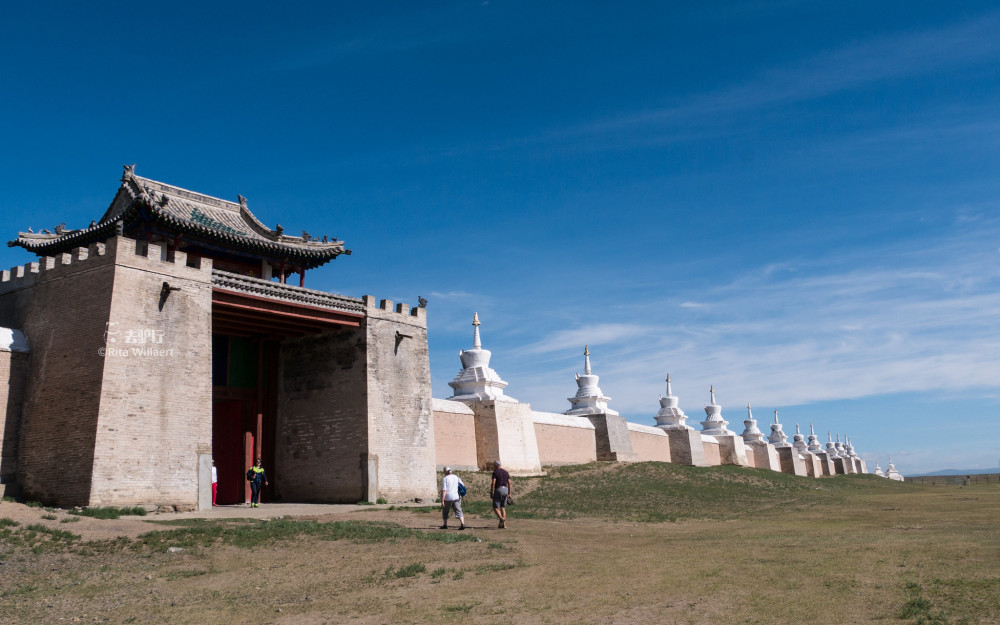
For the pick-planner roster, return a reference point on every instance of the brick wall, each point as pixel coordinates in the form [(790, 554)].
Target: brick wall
[(156, 400), (400, 420), (13, 377), (321, 435), (102, 425), (454, 435), (62, 305), (712, 455), (564, 439), (651, 444)]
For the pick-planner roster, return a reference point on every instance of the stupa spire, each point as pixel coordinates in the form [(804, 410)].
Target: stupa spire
[(777, 437), (477, 381), (714, 423), (892, 473), (670, 416), (798, 441), (814, 446), (589, 398), (831, 447), (751, 434)]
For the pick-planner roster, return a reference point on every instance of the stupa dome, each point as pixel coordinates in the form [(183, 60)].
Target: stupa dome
[(752, 434), (589, 398), (714, 424), (477, 381), (670, 416), (777, 437)]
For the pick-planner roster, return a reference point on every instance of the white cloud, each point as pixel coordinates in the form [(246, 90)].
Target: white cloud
[(915, 322)]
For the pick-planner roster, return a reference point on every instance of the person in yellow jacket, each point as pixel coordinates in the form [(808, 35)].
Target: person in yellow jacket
[(257, 476)]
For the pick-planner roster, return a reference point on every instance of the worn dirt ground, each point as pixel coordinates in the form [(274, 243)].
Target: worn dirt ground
[(830, 564)]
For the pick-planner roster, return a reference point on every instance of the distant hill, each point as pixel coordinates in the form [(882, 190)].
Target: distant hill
[(956, 472)]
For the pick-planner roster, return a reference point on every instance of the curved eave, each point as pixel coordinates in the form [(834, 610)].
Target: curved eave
[(100, 232), (67, 242), (271, 248)]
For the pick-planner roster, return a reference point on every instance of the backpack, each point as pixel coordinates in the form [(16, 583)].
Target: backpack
[(462, 489)]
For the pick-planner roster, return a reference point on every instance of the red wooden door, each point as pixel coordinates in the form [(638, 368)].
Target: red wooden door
[(228, 451)]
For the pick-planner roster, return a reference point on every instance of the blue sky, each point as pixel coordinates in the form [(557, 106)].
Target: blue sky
[(794, 201)]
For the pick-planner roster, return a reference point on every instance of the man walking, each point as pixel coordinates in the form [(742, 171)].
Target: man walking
[(450, 498), (500, 486)]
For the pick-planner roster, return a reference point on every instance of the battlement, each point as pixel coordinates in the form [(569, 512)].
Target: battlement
[(28, 274), (417, 312), (118, 250), (152, 256)]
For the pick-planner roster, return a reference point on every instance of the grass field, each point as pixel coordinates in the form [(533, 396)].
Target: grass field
[(601, 543)]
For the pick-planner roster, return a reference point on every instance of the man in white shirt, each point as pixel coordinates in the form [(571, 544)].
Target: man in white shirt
[(450, 498)]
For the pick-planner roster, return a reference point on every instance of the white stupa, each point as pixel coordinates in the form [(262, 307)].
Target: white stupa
[(477, 381), (849, 448), (589, 398), (831, 447), (714, 424), (777, 437), (752, 434), (799, 441), (840, 448), (878, 471), (814, 445), (891, 472), (670, 416)]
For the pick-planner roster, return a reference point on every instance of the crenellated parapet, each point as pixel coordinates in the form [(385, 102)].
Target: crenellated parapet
[(116, 250), (386, 308), (27, 275)]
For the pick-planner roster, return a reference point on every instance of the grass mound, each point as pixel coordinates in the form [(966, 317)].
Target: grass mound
[(658, 492)]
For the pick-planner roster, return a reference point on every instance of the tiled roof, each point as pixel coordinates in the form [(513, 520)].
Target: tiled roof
[(285, 292), (229, 224)]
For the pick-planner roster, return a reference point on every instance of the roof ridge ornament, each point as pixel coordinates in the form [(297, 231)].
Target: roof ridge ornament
[(242, 200), (129, 172)]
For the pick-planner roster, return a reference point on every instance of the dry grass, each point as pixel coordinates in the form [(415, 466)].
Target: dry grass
[(746, 547)]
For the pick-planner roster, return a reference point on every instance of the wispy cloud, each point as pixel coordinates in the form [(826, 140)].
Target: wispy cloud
[(885, 58), (917, 322)]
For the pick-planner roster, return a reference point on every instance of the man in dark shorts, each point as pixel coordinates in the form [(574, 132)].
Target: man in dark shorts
[(500, 487)]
